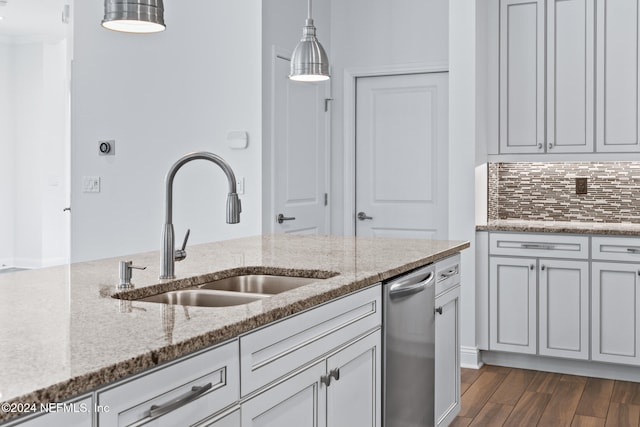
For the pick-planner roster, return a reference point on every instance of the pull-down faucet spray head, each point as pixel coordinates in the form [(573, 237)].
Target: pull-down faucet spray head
[(168, 253)]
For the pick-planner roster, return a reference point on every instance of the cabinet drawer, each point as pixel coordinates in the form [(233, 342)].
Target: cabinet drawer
[(539, 245), (190, 390), (447, 273), (615, 248), (274, 351)]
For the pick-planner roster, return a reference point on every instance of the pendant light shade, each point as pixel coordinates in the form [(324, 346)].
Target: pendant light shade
[(134, 16), (309, 62)]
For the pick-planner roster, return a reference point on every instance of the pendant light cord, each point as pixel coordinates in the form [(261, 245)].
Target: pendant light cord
[(309, 9)]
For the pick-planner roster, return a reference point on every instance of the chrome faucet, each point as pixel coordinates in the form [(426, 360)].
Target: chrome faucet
[(169, 254)]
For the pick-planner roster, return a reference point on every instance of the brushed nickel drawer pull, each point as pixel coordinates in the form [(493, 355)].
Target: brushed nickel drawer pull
[(633, 250), (537, 246), (196, 391)]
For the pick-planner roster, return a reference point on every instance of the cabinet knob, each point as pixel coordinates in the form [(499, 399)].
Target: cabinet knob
[(550, 145), (542, 267), (439, 310), (540, 146), (532, 267)]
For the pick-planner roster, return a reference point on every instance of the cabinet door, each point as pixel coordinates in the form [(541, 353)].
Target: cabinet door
[(617, 86), (354, 394), (447, 352), (615, 309), (512, 300), (298, 401), (228, 419), (570, 75), (564, 308), (522, 76)]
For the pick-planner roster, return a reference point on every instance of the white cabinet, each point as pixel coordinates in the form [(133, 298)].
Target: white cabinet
[(181, 393), (615, 300), (513, 298), (617, 86), (563, 322), (354, 393), (522, 76), (75, 413), (568, 76), (340, 390), (447, 343), (298, 401), (539, 305), (229, 418), (319, 368)]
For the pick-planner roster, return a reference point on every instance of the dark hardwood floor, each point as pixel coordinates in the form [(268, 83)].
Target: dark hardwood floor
[(497, 396)]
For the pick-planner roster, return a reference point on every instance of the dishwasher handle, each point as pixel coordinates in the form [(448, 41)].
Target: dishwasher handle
[(403, 289)]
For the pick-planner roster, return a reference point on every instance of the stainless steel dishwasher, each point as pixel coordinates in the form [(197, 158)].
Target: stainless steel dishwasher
[(409, 345)]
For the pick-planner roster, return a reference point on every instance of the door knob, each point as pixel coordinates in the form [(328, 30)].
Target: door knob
[(362, 216), (281, 218)]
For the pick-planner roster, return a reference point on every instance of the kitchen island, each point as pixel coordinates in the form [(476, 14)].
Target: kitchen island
[(64, 335)]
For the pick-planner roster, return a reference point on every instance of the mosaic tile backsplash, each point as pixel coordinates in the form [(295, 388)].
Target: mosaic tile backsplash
[(547, 191)]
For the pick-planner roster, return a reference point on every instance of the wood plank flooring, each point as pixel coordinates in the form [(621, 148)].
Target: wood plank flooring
[(498, 396)]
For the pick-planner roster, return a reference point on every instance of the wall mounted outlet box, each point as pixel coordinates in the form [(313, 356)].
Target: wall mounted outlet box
[(238, 139), (581, 186)]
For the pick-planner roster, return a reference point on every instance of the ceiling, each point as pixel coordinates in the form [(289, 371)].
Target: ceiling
[(32, 19)]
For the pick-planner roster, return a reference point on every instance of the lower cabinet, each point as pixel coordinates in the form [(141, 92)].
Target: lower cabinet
[(563, 317), (513, 301), (341, 390), (447, 341), (539, 306), (615, 313), (447, 354)]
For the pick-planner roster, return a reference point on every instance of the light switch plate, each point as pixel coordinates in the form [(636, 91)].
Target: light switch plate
[(90, 184)]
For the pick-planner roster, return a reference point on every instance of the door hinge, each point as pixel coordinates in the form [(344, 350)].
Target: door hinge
[(326, 199), (326, 104)]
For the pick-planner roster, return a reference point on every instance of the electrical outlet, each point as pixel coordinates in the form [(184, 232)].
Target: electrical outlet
[(90, 184), (581, 186)]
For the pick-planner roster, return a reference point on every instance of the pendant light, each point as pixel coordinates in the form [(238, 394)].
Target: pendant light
[(134, 16), (309, 61)]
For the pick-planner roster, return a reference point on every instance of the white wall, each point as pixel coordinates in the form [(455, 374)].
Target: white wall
[(373, 33), (6, 157), (161, 96)]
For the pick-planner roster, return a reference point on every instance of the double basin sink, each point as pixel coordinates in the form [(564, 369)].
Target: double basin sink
[(235, 290)]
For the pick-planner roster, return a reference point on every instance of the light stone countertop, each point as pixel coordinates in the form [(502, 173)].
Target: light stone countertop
[(62, 334), (573, 227)]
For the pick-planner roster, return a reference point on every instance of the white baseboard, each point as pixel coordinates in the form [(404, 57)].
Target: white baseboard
[(563, 366), (470, 358)]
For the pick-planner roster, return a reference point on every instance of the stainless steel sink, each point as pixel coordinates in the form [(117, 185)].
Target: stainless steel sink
[(258, 283), (235, 290), (204, 298)]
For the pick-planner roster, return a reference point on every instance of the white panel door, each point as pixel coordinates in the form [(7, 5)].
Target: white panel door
[(300, 154), (618, 88), (299, 401), (615, 312), (353, 396), (522, 76), (401, 156), (564, 308), (570, 75), (513, 301)]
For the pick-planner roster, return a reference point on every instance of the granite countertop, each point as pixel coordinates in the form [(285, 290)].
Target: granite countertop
[(574, 227), (63, 334)]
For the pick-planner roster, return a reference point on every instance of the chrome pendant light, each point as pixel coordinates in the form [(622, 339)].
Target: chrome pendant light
[(309, 62), (134, 16)]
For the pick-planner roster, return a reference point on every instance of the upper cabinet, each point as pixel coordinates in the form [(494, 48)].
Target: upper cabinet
[(617, 116), (568, 76)]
